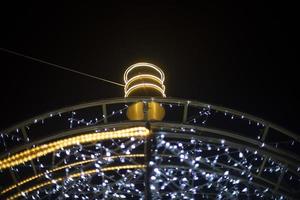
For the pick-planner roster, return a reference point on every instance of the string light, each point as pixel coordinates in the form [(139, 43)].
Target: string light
[(89, 172), (182, 162), (54, 146), (68, 166)]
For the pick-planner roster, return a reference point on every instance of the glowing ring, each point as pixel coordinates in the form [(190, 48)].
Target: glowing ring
[(145, 85), (143, 76), (131, 85), (144, 64)]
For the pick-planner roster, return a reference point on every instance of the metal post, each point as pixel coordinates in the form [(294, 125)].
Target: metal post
[(266, 131), (185, 112), (25, 136), (53, 158), (262, 166), (12, 174), (280, 179), (104, 112), (148, 153)]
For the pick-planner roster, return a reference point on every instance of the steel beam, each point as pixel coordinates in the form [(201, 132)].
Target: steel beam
[(162, 100), (26, 138), (104, 112), (185, 113)]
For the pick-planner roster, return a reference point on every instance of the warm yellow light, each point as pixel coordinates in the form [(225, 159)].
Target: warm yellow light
[(144, 64), (44, 149), (123, 167), (92, 171), (143, 76), (67, 166), (145, 85), (150, 80)]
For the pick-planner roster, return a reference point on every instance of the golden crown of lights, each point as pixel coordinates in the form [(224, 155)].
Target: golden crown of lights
[(144, 75)]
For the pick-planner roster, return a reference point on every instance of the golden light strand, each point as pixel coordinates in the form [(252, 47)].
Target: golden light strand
[(74, 176), (44, 149), (67, 166)]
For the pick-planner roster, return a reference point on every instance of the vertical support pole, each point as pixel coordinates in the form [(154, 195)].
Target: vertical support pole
[(12, 174), (185, 112), (25, 136), (24, 133), (104, 112), (148, 154), (145, 110), (279, 179), (262, 166), (265, 133), (53, 158)]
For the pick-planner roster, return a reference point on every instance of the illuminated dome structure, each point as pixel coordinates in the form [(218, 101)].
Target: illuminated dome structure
[(148, 146)]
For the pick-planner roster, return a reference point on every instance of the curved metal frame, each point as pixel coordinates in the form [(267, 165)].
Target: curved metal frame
[(197, 134), (183, 102), (234, 139), (252, 144)]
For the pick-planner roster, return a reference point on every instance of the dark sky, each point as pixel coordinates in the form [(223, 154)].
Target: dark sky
[(238, 55)]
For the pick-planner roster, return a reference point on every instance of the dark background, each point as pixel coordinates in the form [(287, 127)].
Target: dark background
[(238, 55)]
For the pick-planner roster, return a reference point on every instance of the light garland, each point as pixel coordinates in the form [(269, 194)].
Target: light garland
[(184, 164), (54, 146), (95, 121), (68, 166), (204, 159), (74, 176)]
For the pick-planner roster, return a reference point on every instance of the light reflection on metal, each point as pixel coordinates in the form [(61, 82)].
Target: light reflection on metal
[(155, 111)]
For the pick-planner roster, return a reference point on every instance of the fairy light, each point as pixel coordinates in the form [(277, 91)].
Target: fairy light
[(43, 174), (68, 166), (123, 167), (228, 185), (54, 146), (83, 173), (221, 160)]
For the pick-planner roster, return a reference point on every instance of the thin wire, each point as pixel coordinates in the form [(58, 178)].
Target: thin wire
[(60, 67)]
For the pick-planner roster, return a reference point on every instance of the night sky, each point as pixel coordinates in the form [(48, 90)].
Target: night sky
[(237, 55)]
